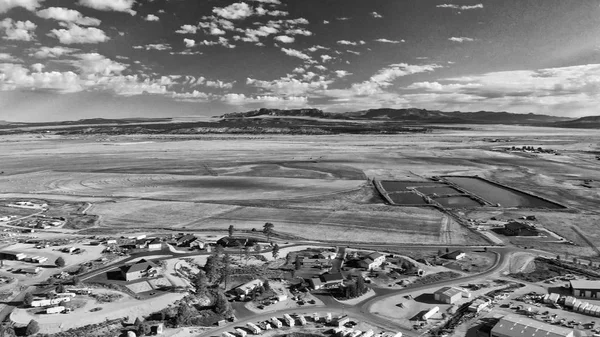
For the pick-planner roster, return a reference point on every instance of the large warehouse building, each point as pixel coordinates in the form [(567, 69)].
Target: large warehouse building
[(448, 295), (585, 288), (519, 326)]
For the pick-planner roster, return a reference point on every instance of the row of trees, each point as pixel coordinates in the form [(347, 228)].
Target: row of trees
[(356, 288), (267, 230)]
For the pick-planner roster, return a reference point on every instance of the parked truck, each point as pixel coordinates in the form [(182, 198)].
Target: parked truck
[(276, 322), (255, 329), (240, 332), (55, 310), (289, 320), (302, 319)]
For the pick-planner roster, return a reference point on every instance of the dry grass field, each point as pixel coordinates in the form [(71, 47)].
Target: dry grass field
[(312, 187)]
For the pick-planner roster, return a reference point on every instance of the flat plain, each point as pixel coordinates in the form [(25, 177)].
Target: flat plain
[(310, 187)]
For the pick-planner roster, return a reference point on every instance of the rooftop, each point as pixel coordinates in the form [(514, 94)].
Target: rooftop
[(585, 284), (139, 266), (513, 325), (448, 291)]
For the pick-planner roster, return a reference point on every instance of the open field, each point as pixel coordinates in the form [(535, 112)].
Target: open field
[(311, 187)]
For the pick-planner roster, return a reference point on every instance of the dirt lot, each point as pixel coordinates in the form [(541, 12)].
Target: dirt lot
[(299, 182)]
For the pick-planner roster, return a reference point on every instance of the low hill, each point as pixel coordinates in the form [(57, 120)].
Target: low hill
[(589, 122), (410, 115)]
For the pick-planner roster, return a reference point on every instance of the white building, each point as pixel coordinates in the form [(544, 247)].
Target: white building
[(448, 295), (246, 288), (519, 326)]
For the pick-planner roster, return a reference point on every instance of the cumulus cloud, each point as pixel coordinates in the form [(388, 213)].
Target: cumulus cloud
[(351, 43), (151, 17), (187, 29), (5, 57), (75, 34), (326, 58), (110, 5), (342, 73), (220, 42), (51, 52), (295, 53), (6, 5), (189, 43), (37, 67), (235, 11), (18, 30), (284, 39), (67, 15), (376, 15), (96, 64), (461, 39), (283, 102), (298, 31), (463, 7), (154, 46), (388, 41)]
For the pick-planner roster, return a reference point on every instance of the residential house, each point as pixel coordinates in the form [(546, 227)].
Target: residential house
[(248, 287), (515, 228), (155, 244), (139, 270), (332, 280), (455, 255)]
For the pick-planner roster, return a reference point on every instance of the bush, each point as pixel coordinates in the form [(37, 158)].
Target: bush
[(59, 262), (32, 328)]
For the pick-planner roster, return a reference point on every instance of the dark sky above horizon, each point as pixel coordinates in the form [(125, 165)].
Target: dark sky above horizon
[(73, 59)]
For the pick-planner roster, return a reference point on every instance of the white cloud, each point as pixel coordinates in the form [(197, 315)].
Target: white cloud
[(376, 15), (287, 86), (317, 47), (154, 46), (67, 15), (325, 22), (235, 11), (6, 5), (342, 73), (219, 84), (326, 58), (187, 29), (75, 34), (5, 57), (189, 43), (295, 53), (388, 41), (110, 5), (351, 43), (151, 17), (284, 39), (18, 30), (298, 31), (52, 52), (16, 76), (464, 7), (37, 67), (96, 64), (461, 39), (216, 31), (388, 74), (282, 102), (221, 41)]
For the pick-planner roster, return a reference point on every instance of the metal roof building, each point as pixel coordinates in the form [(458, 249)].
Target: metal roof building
[(518, 326), (585, 288), (448, 295)]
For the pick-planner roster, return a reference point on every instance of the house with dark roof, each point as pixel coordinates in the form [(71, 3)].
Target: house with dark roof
[(455, 255), (236, 242), (332, 280), (186, 240), (516, 228), (138, 270)]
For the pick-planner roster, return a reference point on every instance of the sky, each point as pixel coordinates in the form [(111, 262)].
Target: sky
[(75, 59)]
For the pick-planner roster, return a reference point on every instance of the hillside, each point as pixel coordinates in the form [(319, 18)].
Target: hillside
[(589, 122)]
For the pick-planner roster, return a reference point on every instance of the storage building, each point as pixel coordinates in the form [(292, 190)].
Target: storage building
[(289, 320), (431, 312), (585, 288), (519, 326), (240, 332), (276, 322), (448, 295)]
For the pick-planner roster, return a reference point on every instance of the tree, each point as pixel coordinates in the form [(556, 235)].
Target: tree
[(60, 288), (268, 230), (447, 250), (144, 329), (231, 229), (298, 263), (351, 291), (211, 268), (247, 254), (222, 305), (558, 257), (276, 251), (28, 299), (266, 285), (226, 268), (440, 253), (32, 328), (361, 288), (76, 280), (59, 262), (257, 248), (184, 315), (201, 283)]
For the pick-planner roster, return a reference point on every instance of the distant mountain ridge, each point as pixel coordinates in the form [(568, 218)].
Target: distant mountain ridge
[(411, 115)]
